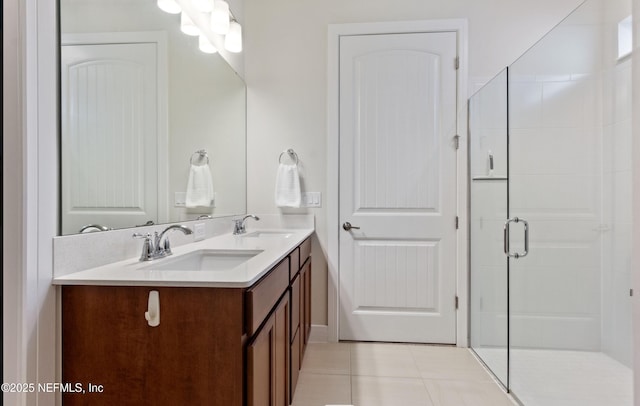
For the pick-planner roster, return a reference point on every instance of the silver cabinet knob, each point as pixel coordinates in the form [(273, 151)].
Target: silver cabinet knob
[(347, 226)]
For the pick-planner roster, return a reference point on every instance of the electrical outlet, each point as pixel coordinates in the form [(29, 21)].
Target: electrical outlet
[(311, 199), (199, 232)]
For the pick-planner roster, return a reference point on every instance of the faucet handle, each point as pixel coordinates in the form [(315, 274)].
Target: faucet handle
[(147, 246), (238, 226), (166, 247)]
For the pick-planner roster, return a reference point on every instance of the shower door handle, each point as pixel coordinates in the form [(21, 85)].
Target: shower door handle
[(505, 236)]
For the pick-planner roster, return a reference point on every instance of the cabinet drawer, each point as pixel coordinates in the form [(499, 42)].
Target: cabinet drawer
[(295, 263), (261, 298), (305, 251)]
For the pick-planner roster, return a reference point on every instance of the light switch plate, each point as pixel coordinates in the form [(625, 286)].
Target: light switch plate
[(311, 199), (199, 232), (180, 199)]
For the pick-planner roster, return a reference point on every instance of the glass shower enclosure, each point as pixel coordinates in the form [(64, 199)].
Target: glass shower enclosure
[(550, 217)]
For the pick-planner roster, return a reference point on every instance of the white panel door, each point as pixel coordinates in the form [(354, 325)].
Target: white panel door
[(109, 135), (398, 184)]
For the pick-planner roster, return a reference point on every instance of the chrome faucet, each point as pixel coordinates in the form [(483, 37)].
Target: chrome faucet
[(239, 225), (165, 249), (157, 249)]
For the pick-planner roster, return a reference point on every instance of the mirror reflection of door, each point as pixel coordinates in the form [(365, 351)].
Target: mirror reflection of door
[(110, 129)]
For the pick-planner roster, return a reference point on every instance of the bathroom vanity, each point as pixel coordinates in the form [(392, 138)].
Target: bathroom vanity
[(232, 337)]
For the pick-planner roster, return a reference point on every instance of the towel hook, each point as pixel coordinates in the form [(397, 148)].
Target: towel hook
[(292, 154), (202, 153)]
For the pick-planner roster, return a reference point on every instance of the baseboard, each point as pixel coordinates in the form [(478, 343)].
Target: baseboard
[(319, 333)]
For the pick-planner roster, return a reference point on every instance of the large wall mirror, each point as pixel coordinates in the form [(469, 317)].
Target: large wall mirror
[(143, 110)]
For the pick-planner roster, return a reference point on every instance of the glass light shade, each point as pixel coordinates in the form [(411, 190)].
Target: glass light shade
[(204, 6), (233, 40), (169, 6), (220, 17), (206, 46), (187, 26)]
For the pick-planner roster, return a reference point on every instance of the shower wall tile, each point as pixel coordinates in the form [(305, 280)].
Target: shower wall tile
[(622, 138), (525, 104), (563, 104), (622, 92), (544, 150)]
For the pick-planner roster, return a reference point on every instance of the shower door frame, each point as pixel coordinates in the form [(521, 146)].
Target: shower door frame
[(506, 384)]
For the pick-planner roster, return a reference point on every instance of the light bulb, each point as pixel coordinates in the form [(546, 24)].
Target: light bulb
[(233, 39), (169, 6), (187, 26), (204, 6), (220, 17), (206, 46)]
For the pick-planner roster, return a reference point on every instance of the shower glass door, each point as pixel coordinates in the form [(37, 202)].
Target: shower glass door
[(488, 212), (566, 338), (550, 190)]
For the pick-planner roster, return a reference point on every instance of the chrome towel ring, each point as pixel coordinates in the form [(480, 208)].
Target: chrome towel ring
[(292, 154), (201, 154)]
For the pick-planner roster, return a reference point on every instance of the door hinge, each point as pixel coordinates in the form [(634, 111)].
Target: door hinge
[(630, 292), (457, 222), (456, 141), (457, 62), (457, 302)]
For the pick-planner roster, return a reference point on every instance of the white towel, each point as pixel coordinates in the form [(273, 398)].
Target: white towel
[(199, 187), (288, 186)]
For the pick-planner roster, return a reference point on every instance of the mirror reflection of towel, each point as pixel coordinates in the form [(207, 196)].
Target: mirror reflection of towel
[(288, 186), (199, 187)]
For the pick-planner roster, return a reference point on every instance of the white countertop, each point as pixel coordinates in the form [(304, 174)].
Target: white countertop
[(132, 272)]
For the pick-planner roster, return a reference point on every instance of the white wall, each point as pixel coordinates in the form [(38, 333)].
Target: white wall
[(635, 174), (286, 74), (12, 196)]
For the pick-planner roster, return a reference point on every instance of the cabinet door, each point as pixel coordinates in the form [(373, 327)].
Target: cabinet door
[(305, 322), (282, 314), (260, 366), (296, 305), (194, 356), (268, 360), (104, 341), (295, 363)]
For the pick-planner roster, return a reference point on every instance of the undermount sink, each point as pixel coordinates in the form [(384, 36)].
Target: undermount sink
[(268, 234), (204, 260)]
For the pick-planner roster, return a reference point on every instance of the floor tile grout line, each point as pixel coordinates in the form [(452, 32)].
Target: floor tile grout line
[(350, 375), (424, 384)]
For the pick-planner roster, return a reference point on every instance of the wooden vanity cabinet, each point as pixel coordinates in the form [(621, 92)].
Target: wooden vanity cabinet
[(214, 346), (300, 310)]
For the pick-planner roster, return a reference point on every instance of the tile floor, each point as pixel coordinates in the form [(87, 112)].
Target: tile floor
[(374, 374), (565, 378)]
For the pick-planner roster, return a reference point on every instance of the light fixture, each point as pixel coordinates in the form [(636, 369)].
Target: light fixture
[(220, 17), (187, 26), (169, 6), (204, 6), (205, 45), (233, 39)]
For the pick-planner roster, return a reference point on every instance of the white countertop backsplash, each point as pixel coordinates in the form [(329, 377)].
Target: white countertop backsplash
[(92, 254)]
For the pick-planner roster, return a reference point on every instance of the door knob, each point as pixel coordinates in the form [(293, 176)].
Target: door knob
[(347, 226)]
